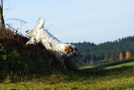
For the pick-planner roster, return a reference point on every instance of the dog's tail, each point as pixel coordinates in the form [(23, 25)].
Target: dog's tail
[(40, 23)]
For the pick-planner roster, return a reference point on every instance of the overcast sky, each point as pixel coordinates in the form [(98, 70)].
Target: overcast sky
[(95, 21)]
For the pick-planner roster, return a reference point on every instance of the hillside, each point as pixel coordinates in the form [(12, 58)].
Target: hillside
[(17, 58), (104, 51)]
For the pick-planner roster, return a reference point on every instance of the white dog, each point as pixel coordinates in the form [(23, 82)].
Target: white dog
[(39, 34)]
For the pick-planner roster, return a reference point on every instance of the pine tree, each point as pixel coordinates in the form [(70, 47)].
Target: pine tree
[(128, 55), (120, 56)]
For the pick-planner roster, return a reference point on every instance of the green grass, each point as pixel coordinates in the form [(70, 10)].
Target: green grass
[(120, 77), (103, 64), (121, 65)]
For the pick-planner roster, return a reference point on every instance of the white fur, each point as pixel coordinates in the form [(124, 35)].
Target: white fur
[(39, 34)]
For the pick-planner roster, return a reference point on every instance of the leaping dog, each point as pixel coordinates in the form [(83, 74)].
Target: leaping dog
[(39, 34)]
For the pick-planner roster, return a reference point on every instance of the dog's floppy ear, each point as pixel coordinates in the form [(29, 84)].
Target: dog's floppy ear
[(40, 23), (68, 49)]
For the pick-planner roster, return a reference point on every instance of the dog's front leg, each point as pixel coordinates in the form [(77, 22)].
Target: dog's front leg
[(63, 63), (61, 59)]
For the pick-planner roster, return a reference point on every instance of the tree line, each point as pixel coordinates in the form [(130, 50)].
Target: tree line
[(106, 50)]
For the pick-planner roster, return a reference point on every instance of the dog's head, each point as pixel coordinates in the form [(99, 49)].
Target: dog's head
[(71, 51)]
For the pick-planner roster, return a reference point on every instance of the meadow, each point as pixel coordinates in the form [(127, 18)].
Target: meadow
[(119, 77)]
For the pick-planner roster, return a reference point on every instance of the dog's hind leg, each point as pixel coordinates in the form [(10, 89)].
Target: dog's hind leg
[(31, 41)]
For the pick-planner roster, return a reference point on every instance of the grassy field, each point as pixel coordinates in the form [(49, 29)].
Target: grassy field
[(119, 77)]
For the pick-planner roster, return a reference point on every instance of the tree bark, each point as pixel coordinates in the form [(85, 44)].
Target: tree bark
[(2, 23)]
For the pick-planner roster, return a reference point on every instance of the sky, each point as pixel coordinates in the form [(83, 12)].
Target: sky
[(94, 21)]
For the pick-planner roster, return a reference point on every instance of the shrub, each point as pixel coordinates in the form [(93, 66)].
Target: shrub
[(3, 55)]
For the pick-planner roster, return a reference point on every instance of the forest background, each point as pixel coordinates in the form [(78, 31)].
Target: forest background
[(117, 50)]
